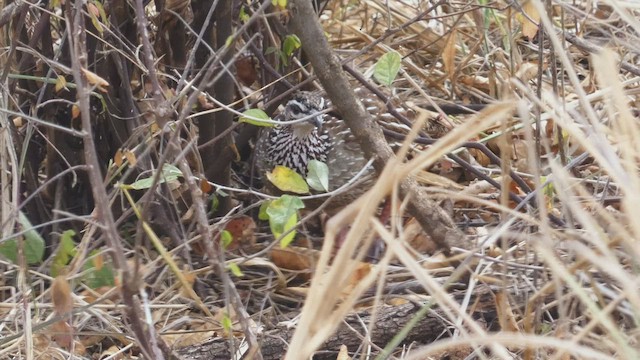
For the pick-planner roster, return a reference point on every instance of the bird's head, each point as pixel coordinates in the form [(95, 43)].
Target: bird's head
[(307, 105)]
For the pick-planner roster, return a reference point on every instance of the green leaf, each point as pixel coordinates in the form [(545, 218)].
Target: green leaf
[(235, 270), (548, 190), (283, 216), (226, 323), (103, 14), (169, 173), (318, 175), (229, 40), (97, 273), (282, 4), (226, 238), (33, 245), (255, 117), (262, 214), (66, 251), (387, 68), (96, 23), (244, 17), (271, 50), (215, 203), (288, 180), (291, 44), (281, 209), (9, 249), (290, 224)]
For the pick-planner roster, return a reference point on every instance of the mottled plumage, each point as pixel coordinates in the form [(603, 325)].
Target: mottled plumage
[(320, 137)]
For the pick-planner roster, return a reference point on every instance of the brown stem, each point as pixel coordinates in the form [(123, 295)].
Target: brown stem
[(434, 220)]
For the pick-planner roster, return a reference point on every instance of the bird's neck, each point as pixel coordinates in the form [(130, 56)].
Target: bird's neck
[(304, 131)]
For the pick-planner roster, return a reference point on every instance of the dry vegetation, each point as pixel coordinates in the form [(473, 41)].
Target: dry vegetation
[(129, 207)]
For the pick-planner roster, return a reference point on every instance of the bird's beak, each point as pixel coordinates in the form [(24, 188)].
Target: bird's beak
[(317, 121)]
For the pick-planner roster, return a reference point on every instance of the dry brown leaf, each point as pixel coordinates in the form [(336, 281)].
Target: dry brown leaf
[(344, 353), (62, 334), (95, 80), (449, 54), (75, 111), (117, 158), (529, 20), (246, 70), (480, 157), (431, 179), (18, 121), (131, 157), (527, 71), (204, 102), (189, 338), (98, 261), (417, 239), (92, 9), (242, 228), (205, 186), (293, 258), (505, 313), (61, 83), (61, 296), (190, 278), (113, 353)]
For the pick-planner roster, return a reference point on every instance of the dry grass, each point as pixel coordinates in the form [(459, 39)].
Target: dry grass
[(560, 273)]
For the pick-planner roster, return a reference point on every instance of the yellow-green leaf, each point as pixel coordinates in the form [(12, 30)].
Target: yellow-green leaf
[(282, 4), (235, 270), (291, 44), (169, 173), (61, 83), (226, 323), (387, 68), (255, 117), (318, 175), (65, 252), (243, 16), (288, 180), (226, 238), (283, 217), (262, 213), (290, 224)]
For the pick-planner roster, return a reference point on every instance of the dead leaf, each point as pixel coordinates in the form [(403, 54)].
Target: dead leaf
[(61, 295), (242, 228), (530, 20), (61, 83), (95, 80), (18, 121), (505, 313), (449, 54), (205, 186), (62, 334), (293, 258), (117, 158), (75, 111), (344, 353), (131, 158), (246, 70)]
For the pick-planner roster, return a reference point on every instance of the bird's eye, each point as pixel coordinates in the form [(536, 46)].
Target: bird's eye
[(295, 109)]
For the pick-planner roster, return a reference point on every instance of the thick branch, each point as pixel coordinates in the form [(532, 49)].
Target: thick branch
[(369, 134)]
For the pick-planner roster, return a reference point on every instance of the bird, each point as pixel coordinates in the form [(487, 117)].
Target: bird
[(323, 137), (317, 136)]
